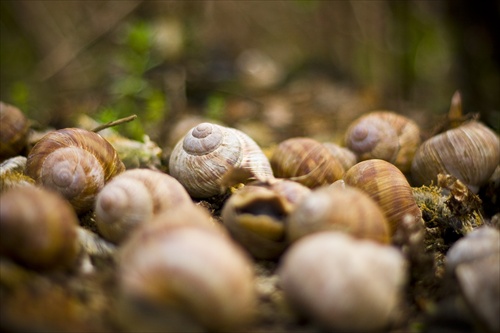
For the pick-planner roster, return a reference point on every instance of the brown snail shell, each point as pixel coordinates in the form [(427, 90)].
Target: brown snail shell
[(388, 186), (337, 208), (134, 197), (344, 284), (305, 161), (14, 128), (470, 152), (74, 162), (183, 277), (256, 215), (38, 228), (384, 135), (208, 151), (342, 154)]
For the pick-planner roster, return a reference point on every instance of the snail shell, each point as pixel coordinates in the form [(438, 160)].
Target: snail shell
[(342, 154), (38, 228), (256, 215), (306, 161), (74, 162), (183, 277), (384, 135), (343, 283), (14, 128), (134, 197), (336, 208), (206, 153), (388, 186), (470, 152)]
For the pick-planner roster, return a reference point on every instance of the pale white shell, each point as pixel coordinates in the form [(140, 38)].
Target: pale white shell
[(343, 283), (208, 151), (134, 197)]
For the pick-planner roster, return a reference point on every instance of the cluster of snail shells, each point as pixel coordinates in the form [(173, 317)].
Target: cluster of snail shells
[(44, 238), (75, 163), (134, 197), (343, 283), (470, 152), (182, 272), (202, 157)]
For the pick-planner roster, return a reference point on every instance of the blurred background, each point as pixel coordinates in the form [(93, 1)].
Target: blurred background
[(275, 69)]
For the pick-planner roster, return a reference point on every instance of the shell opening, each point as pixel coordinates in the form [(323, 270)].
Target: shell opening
[(272, 207)]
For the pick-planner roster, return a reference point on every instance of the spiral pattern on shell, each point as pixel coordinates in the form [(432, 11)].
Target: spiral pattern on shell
[(38, 228), (74, 162), (470, 152), (306, 161), (134, 197), (384, 135), (388, 186), (208, 151)]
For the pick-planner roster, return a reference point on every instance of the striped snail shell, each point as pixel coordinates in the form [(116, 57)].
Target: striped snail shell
[(74, 162), (38, 228), (388, 186), (470, 152), (208, 151), (306, 161), (384, 135), (134, 197), (14, 128)]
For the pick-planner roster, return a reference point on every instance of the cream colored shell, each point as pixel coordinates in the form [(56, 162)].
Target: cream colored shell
[(208, 151)]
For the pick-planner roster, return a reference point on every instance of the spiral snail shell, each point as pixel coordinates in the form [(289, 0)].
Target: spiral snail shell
[(134, 197), (388, 186), (207, 151), (38, 228), (305, 161), (470, 152), (338, 208), (74, 162), (14, 128), (384, 135)]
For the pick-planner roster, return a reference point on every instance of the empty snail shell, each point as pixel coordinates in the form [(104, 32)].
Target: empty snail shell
[(384, 135), (337, 208), (342, 154), (134, 197), (207, 151), (14, 128), (470, 152), (256, 215), (38, 228), (388, 186), (74, 162), (184, 277), (306, 161), (344, 284)]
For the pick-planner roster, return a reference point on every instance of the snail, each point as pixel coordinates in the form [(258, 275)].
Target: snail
[(208, 151), (338, 208), (342, 154), (38, 229), (74, 162), (14, 129), (184, 276), (388, 186), (470, 152), (474, 260), (344, 284), (134, 197), (306, 161), (384, 135), (256, 215)]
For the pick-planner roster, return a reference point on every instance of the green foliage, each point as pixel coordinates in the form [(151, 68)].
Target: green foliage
[(130, 91), (215, 107)]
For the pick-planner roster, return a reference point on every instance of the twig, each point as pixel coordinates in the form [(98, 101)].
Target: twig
[(114, 123)]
